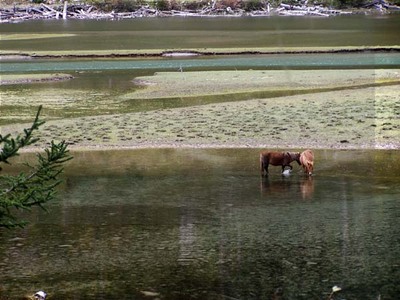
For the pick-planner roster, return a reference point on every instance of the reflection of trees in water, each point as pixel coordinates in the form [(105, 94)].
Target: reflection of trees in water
[(187, 238), (345, 225), (228, 243)]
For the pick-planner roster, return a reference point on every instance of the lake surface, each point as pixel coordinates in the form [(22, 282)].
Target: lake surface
[(178, 33), (99, 84), (202, 224)]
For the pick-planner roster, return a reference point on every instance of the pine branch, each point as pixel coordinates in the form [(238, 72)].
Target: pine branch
[(12, 146), (24, 191)]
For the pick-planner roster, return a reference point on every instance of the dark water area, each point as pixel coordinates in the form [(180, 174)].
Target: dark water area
[(178, 33), (202, 224)]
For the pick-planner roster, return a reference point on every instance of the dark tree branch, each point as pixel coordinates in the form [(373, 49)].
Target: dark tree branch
[(24, 191)]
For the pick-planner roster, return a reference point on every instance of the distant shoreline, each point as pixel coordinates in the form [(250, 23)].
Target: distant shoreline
[(21, 55), (82, 11)]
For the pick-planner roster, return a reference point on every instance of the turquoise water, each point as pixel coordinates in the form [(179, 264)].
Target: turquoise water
[(303, 61)]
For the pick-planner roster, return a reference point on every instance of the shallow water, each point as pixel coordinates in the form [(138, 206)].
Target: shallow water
[(99, 86), (202, 224)]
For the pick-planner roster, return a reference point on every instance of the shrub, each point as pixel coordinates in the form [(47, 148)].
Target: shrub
[(350, 3), (228, 3), (118, 5), (162, 4), (195, 5), (250, 5)]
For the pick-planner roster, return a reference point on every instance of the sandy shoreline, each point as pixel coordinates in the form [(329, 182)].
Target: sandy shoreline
[(143, 146)]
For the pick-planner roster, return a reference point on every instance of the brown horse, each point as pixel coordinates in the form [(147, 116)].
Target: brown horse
[(307, 161), (277, 159)]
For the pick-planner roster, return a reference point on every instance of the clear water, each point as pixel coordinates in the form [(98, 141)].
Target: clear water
[(202, 224)]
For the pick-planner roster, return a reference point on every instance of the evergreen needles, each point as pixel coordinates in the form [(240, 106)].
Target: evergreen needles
[(36, 187)]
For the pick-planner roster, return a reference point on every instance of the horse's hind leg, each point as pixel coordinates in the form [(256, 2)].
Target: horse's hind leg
[(264, 168), (263, 165)]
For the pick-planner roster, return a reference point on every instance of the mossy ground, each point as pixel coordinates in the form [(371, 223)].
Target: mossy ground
[(353, 117), (8, 79)]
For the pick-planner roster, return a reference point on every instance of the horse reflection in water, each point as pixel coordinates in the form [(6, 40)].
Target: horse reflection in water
[(187, 238), (303, 186)]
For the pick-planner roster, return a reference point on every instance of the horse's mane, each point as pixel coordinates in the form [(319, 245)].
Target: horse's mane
[(307, 161)]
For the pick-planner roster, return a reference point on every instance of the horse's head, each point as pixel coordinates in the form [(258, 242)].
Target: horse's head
[(307, 161)]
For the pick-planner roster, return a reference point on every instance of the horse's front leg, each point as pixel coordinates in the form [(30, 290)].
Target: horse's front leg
[(284, 166)]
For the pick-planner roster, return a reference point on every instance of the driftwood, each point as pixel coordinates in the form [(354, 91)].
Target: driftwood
[(84, 11), (304, 10), (381, 5)]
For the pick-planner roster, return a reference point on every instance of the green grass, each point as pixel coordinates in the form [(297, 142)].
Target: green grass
[(351, 116), (200, 51)]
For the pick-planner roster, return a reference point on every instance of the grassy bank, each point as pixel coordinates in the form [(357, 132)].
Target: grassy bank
[(185, 52), (351, 117), (232, 84)]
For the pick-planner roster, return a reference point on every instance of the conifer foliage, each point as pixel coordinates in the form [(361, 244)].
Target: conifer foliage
[(35, 187)]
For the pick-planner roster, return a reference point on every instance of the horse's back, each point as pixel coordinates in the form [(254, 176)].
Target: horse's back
[(308, 155), (273, 158)]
